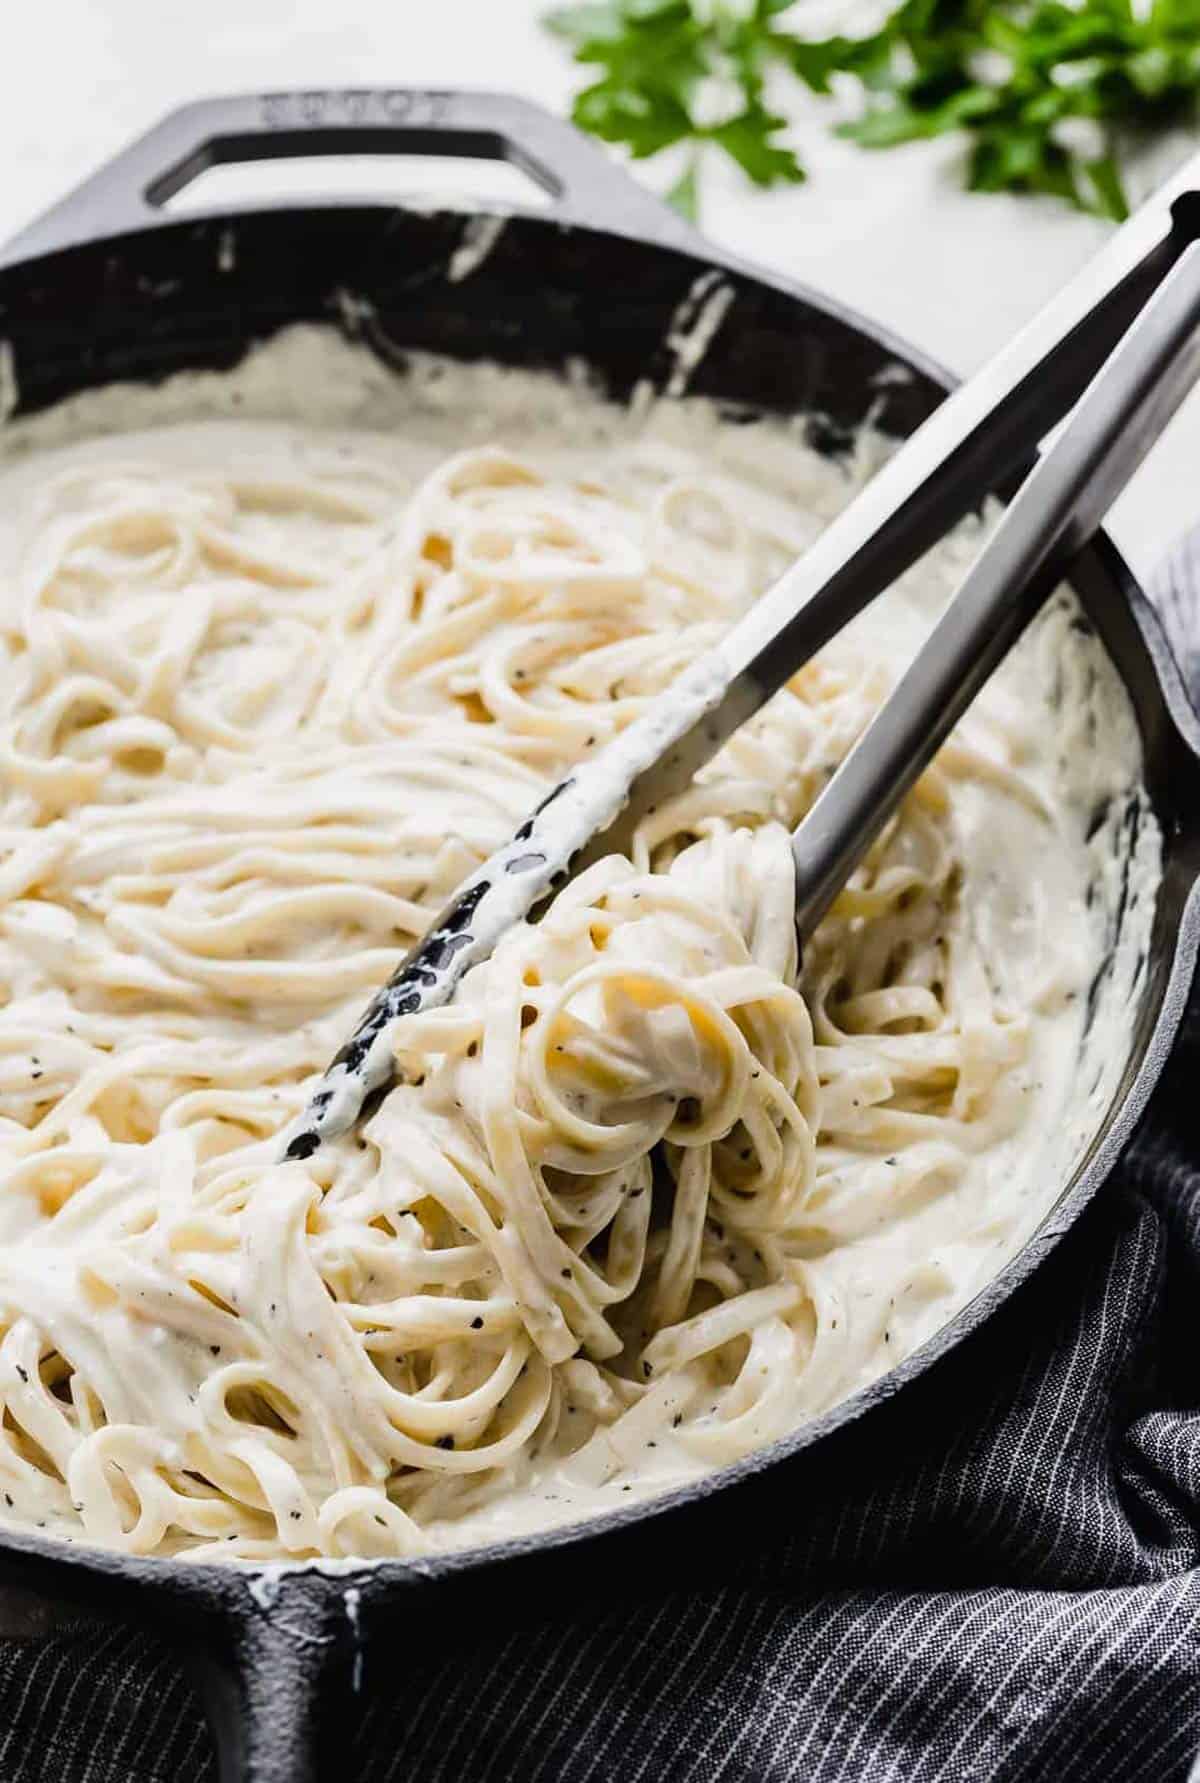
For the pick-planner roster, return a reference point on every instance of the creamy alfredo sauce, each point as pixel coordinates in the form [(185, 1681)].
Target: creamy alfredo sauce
[(285, 654)]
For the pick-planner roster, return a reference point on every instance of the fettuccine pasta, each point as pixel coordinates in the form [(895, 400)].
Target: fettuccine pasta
[(649, 1192)]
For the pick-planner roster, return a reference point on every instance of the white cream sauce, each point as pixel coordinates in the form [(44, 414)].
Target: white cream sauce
[(285, 654)]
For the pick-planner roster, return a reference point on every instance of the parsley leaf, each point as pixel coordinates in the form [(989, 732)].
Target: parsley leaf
[(684, 195), (1048, 93), (747, 138), (670, 71)]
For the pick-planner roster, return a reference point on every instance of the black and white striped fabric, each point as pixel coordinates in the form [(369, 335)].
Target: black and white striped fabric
[(997, 1577)]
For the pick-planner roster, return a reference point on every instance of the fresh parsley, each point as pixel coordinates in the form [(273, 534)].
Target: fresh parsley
[(672, 71), (1049, 95)]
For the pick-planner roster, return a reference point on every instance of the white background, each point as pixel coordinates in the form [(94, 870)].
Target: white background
[(892, 234)]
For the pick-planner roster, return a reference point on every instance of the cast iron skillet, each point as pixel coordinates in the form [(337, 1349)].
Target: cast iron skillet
[(108, 286)]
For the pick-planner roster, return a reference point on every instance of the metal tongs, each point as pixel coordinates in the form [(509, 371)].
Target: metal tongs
[(1116, 351)]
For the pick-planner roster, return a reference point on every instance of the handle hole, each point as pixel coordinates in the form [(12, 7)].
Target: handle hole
[(453, 181)]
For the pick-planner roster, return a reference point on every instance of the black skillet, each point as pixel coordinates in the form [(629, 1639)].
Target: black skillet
[(109, 286)]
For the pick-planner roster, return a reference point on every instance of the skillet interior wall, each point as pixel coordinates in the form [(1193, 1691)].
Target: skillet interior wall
[(197, 295)]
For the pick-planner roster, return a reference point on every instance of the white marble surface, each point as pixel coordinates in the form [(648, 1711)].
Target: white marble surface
[(892, 234)]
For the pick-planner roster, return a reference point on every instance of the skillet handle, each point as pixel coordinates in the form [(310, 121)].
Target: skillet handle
[(584, 184), (289, 1647)]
